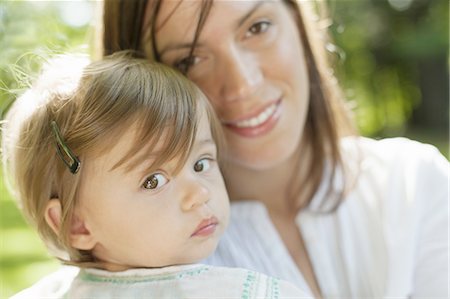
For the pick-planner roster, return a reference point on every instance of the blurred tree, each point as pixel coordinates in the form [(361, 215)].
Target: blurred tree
[(396, 63), (30, 32)]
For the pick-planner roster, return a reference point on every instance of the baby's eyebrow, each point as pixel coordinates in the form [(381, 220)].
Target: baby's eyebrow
[(206, 141), (144, 166), (131, 164)]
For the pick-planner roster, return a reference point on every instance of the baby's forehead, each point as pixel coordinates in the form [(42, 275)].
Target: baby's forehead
[(136, 146), (154, 137), (127, 144)]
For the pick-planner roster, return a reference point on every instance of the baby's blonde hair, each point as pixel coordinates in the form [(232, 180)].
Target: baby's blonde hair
[(92, 106)]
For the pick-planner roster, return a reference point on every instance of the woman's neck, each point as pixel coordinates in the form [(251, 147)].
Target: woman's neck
[(270, 186)]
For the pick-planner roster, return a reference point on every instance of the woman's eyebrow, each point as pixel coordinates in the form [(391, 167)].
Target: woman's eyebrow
[(250, 12), (188, 45)]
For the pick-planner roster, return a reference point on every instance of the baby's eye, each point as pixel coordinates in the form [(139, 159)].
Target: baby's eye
[(154, 181), (202, 165), (185, 63), (258, 28)]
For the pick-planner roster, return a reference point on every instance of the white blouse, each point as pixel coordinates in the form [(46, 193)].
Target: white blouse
[(389, 237)]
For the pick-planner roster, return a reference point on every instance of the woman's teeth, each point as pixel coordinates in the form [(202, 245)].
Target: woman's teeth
[(257, 120)]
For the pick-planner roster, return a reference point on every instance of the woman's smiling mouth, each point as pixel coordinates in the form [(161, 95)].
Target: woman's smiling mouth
[(258, 124)]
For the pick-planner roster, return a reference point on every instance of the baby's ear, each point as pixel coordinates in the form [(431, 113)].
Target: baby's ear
[(53, 215), (80, 237)]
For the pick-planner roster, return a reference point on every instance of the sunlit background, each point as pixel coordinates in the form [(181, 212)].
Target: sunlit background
[(391, 58)]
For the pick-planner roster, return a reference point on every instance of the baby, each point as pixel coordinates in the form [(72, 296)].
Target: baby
[(116, 166)]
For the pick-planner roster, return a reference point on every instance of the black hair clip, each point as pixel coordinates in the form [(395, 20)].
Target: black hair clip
[(64, 151)]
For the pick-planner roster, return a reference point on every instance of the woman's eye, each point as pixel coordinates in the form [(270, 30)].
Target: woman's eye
[(155, 181), (202, 165), (184, 64), (258, 28)]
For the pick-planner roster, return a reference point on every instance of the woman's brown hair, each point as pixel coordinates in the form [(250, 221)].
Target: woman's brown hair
[(327, 119)]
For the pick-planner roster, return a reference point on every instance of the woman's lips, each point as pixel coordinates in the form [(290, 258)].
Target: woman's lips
[(259, 124), (206, 227)]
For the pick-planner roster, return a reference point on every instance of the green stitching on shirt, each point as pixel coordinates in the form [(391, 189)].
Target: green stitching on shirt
[(139, 279), (248, 286), (275, 288)]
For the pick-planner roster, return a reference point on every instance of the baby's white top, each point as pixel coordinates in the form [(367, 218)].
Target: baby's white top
[(187, 282)]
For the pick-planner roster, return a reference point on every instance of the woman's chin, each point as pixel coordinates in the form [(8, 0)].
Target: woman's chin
[(263, 158)]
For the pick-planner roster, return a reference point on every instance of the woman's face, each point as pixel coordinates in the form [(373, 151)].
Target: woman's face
[(249, 61)]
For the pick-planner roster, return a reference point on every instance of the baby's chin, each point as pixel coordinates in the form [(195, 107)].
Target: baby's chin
[(117, 267), (204, 250), (195, 253), (113, 267)]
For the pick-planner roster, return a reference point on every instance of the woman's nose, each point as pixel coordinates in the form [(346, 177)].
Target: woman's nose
[(241, 74), (195, 194)]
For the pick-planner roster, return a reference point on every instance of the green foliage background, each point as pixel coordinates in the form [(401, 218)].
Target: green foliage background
[(392, 64)]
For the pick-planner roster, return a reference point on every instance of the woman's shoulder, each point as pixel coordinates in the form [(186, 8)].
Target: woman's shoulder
[(408, 168), (393, 155), (388, 148)]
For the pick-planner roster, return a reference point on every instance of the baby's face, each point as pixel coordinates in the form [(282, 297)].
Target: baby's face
[(155, 219)]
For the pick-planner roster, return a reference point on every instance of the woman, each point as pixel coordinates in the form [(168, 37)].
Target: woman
[(338, 216)]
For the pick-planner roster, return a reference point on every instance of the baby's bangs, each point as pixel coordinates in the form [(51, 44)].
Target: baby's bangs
[(168, 113)]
